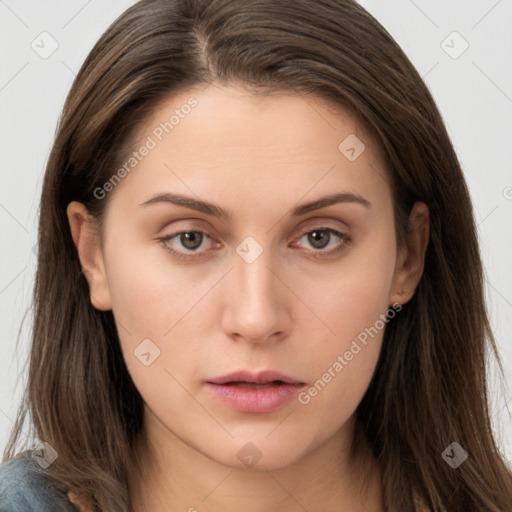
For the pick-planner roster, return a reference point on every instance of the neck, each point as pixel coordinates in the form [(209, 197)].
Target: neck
[(339, 475)]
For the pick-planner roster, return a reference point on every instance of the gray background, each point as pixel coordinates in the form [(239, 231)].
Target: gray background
[(473, 89)]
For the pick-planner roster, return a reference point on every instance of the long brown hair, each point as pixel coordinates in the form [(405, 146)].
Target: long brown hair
[(429, 388)]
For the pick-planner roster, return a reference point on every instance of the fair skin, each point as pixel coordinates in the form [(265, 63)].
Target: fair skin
[(289, 310)]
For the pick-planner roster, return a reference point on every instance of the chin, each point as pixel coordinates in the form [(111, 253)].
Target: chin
[(259, 454)]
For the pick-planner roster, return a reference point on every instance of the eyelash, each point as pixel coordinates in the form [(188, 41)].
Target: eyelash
[(320, 253)]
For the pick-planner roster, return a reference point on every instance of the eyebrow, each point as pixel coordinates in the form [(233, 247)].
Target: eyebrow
[(217, 211)]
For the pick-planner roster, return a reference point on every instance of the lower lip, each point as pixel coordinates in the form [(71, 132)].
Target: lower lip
[(255, 400)]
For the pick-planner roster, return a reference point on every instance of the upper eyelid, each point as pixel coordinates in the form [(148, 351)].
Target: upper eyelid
[(302, 231), (309, 224)]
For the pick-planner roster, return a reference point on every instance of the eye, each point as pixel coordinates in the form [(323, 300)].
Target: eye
[(326, 241), (186, 244), (191, 244)]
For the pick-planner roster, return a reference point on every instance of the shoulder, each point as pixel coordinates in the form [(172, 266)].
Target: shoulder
[(24, 489)]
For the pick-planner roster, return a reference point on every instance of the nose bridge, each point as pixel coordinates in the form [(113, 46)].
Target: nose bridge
[(254, 280), (255, 307)]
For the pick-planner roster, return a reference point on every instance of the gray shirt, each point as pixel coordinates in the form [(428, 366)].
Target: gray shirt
[(23, 489)]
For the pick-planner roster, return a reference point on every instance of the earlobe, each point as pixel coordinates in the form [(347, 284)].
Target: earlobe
[(411, 259), (85, 238)]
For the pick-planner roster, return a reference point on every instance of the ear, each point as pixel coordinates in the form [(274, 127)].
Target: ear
[(86, 241), (411, 257)]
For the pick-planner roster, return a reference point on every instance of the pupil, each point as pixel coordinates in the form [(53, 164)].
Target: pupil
[(319, 239), (191, 240)]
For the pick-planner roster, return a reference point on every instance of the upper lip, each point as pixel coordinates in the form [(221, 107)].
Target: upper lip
[(262, 377)]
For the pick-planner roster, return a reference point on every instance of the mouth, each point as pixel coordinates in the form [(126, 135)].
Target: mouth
[(254, 385), (265, 377), (248, 392)]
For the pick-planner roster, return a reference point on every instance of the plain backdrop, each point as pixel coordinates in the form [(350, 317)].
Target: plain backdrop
[(461, 48)]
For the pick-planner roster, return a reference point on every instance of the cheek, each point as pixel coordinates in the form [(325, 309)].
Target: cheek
[(354, 308), (355, 292), (153, 304), (149, 294), (154, 299)]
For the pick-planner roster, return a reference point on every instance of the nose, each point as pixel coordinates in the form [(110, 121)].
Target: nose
[(256, 303)]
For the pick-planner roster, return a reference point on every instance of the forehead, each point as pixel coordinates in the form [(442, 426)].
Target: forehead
[(251, 119), (217, 138)]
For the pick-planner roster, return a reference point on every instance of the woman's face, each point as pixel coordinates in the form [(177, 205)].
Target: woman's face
[(259, 273)]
